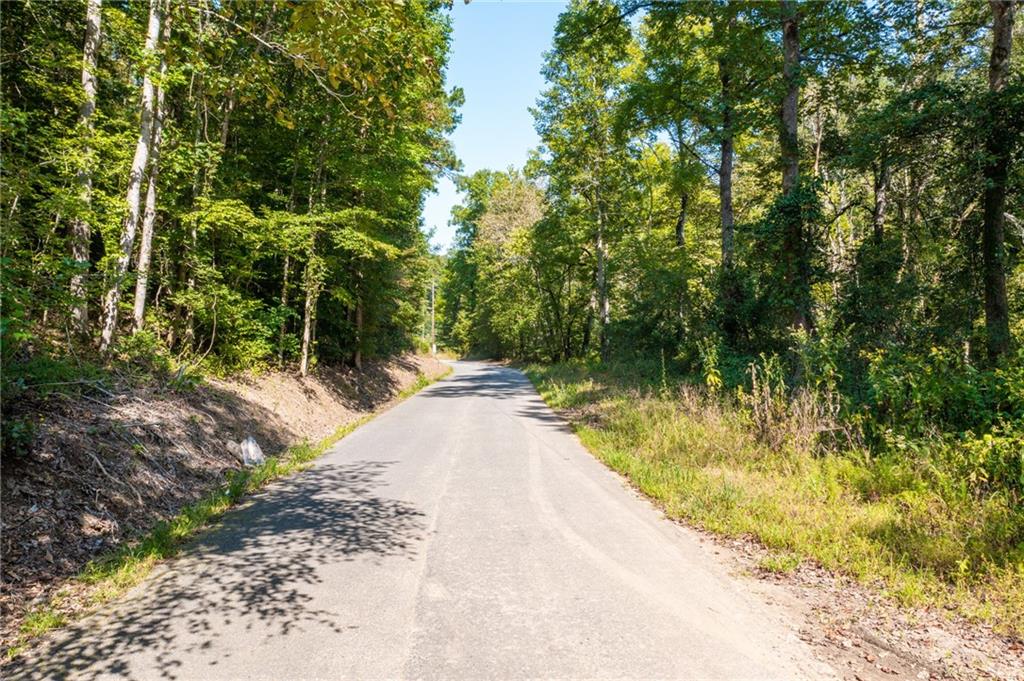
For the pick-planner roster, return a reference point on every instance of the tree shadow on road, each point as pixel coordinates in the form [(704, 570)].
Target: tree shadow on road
[(503, 384), (259, 567), (542, 415), (492, 381)]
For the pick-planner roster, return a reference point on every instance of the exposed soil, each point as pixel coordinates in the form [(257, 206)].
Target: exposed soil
[(109, 462)]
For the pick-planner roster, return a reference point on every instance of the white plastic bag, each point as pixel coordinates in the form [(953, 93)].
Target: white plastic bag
[(252, 455)]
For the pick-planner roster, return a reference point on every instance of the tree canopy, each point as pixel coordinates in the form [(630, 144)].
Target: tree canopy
[(829, 187), (235, 181)]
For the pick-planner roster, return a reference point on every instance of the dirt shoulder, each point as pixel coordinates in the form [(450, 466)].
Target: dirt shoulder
[(865, 635), (109, 463)]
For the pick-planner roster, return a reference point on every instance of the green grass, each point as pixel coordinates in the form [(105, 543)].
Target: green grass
[(780, 563), (903, 525), (41, 621), (110, 575)]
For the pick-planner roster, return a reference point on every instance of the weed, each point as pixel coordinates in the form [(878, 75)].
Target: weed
[(781, 563), (42, 620)]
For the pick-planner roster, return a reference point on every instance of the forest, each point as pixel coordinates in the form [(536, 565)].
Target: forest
[(828, 191), (809, 212), (196, 192), (227, 185)]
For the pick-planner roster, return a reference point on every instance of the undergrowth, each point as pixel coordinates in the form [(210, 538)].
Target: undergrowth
[(787, 471)]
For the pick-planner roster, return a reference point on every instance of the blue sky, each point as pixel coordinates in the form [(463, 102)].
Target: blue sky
[(496, 58)]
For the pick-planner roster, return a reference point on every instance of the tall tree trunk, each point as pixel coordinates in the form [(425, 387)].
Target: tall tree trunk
[(684, 284), (311, 282), (728, 291), (149, 215), (684, 203), (287, 267), (684, 196), (997, 168), (683, 301), (588, 326), (725, 199), (794, 246), (307, 326), (131, 220), (311, 276), (818, 130), (881, 201), (81, 232), (357, 357), (726, 166), (790, 65), (229, 106), (603, 308), (284, 306)]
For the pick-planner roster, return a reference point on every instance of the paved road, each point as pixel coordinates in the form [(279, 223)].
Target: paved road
[(464, 534)]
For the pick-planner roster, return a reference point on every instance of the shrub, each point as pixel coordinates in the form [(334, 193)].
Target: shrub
[(144, 353), (992, 461)]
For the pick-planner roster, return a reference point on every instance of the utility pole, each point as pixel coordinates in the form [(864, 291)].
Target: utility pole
[(433, 344)]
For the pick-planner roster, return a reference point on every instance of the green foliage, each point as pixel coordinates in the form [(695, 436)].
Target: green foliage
[(708, 350), (850, 312), (940, 391), (780, 563), (994, 461), (298, 144), (144, 353), (41, 621), (18, 435)]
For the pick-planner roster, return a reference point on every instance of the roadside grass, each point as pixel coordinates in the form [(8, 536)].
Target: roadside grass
[(780, 563), (902, 525), (112, 574)]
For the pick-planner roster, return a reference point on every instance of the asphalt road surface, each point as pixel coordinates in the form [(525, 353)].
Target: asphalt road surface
[(463, 534)]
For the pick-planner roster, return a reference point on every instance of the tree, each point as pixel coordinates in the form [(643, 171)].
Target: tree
[(80, 229), (998, 148), (794, 247), (705, 67), (135, 177), (149, 214), (575, 120), (868, 116), (211, 155)]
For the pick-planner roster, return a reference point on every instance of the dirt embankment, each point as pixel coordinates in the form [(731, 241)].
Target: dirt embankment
[(107, 464)]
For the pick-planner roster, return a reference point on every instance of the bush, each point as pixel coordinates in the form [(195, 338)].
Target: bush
[(994, 461), (17, 435), (920, 395), (967, 422), (144, 353)]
